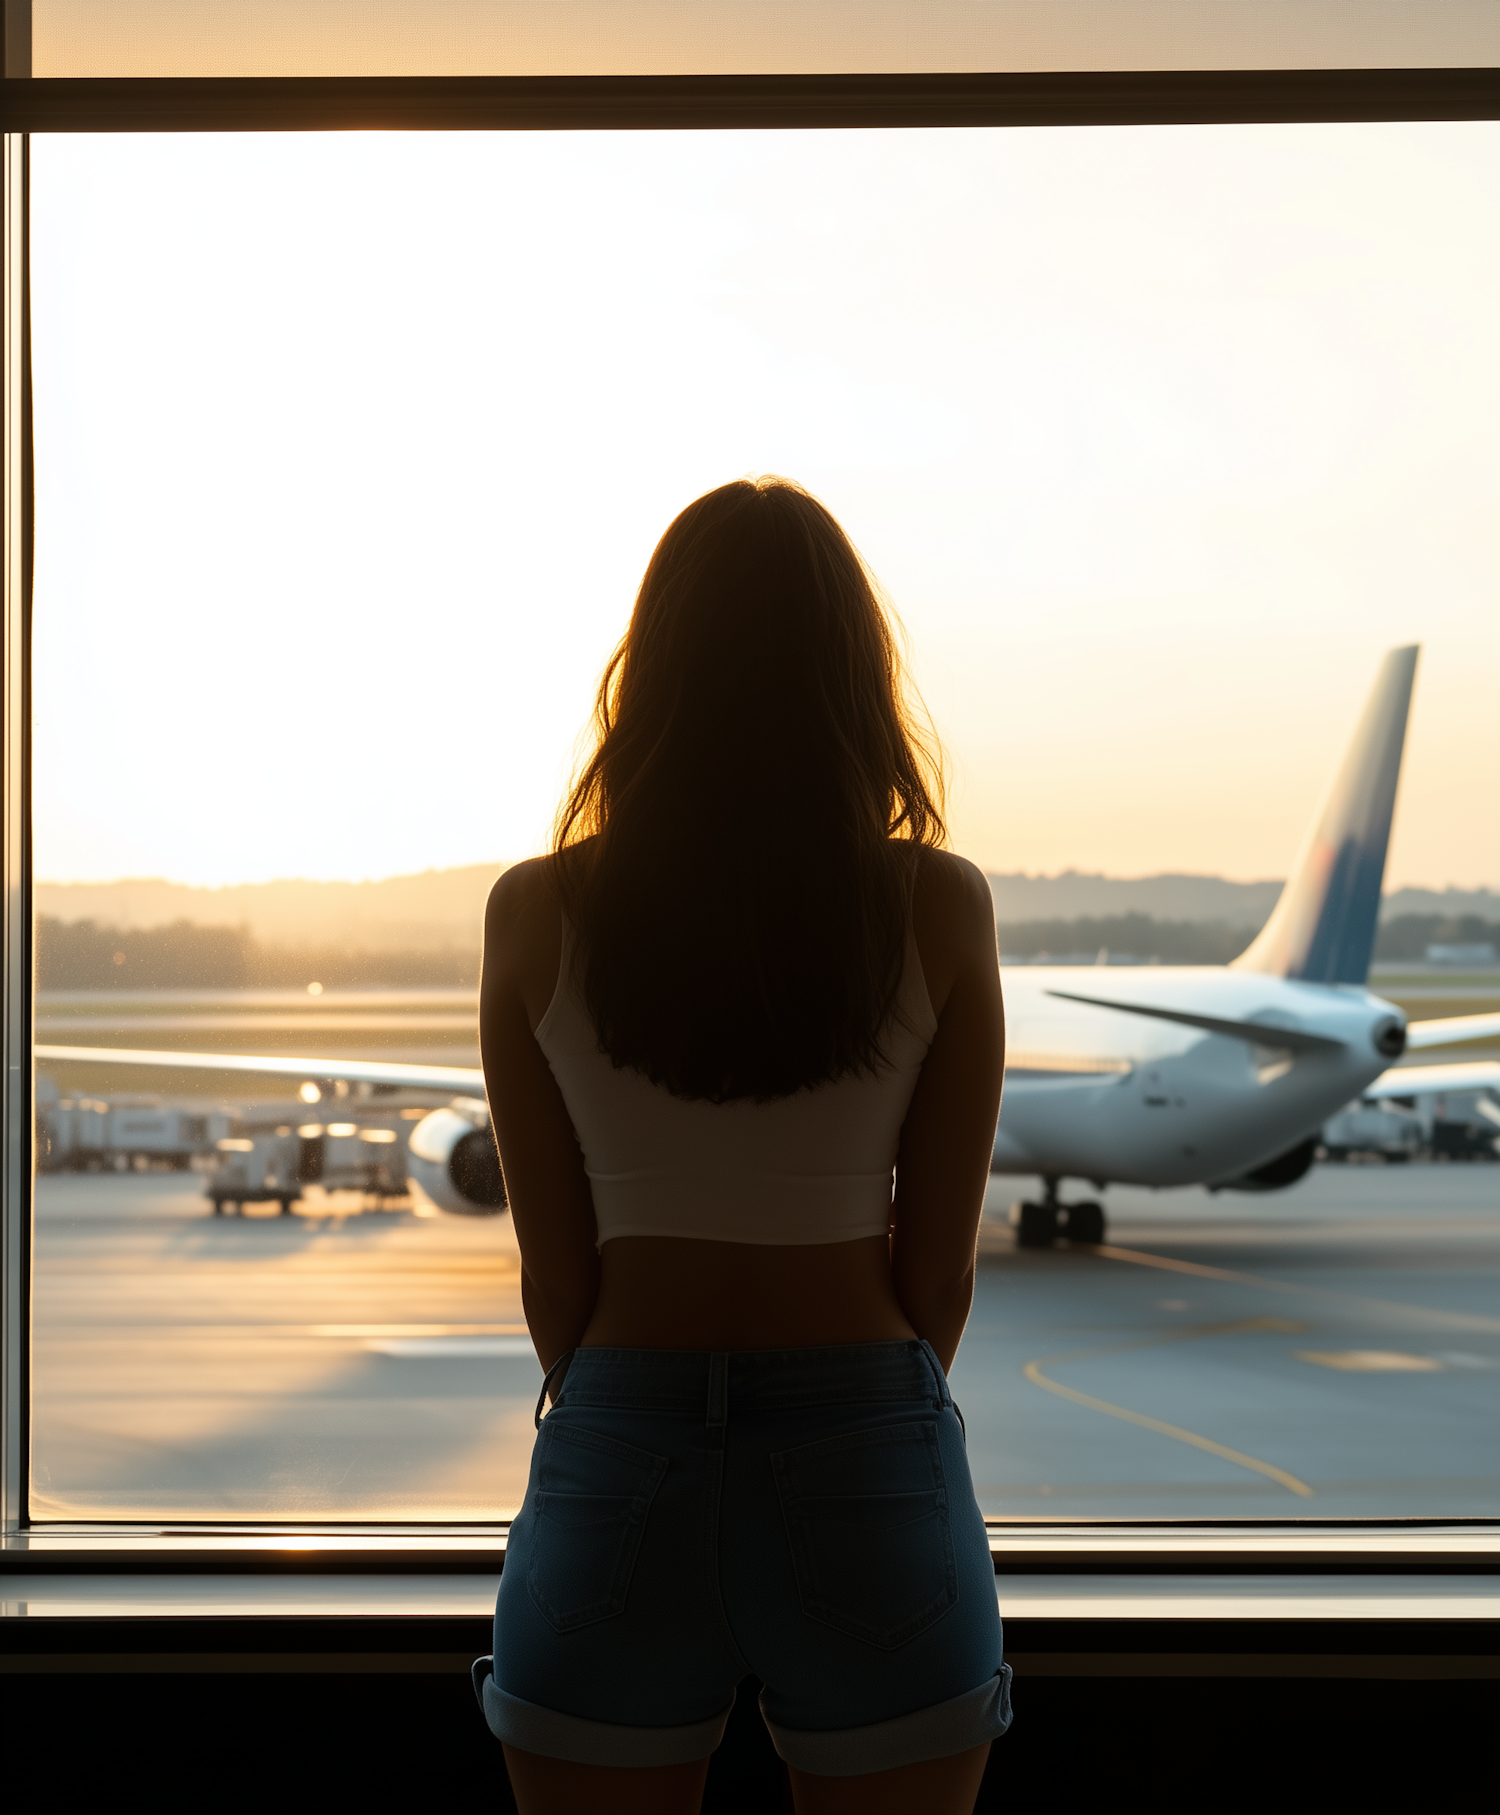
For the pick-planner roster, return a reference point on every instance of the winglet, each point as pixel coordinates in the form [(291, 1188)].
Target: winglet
[(1323, 926)]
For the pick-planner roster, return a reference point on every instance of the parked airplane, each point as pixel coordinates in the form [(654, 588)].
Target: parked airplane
[(1223, 1075), (1172, 1075)]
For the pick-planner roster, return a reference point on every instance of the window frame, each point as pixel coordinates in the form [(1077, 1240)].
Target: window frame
[(1308, 1548)]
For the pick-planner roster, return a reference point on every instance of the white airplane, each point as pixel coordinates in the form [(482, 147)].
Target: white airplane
[(1217, 1075), (1223, 1075)]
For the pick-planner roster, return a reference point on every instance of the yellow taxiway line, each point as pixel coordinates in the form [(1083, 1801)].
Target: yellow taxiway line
[(1033, 1372), (1427, 1315)]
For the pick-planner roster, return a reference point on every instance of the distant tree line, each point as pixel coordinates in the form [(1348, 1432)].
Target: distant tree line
[(1402, 939), (1138, 935), (1407, 936), (80, 954)]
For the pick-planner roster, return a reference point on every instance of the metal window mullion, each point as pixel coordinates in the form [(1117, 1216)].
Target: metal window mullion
[(16, 1119)]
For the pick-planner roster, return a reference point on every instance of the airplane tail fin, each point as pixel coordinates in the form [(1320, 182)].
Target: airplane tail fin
[(1323, 927)]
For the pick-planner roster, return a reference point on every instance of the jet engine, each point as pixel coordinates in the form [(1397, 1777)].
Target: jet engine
[(1276, 1174), (452, 1157)]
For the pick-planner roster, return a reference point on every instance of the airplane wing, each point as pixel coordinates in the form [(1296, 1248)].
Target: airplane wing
[(1449, 1032), (1454, 1030), (1422, 1080), (463, 1080), (458, 1079), (1258, 1033)]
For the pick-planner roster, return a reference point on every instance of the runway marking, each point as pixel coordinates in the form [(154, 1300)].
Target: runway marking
[(1033, 1372), (453, 1348), (1107, 1252), (1458, 1320), (1370, 1361)]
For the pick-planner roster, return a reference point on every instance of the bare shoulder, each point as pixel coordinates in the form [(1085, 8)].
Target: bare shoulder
[(953, 917), (520, 892), (952, 895), (523, 937)]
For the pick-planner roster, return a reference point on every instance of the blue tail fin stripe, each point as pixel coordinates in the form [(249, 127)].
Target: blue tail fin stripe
[(1323, 926)]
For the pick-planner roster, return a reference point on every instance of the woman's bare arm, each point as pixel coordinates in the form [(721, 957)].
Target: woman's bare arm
[(539, 1155), (948, 1137)]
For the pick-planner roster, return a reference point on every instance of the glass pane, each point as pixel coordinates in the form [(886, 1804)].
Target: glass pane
[(350, 452), (745, 37)]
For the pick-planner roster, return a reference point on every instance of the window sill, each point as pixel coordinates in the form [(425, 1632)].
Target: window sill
[(1404, 1602), (1405, 1548), (1132, 1598), (1021, 1552), (266, 1547)]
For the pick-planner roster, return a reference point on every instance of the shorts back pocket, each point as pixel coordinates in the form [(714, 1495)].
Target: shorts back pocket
[(588, 1518), (867, 1516)]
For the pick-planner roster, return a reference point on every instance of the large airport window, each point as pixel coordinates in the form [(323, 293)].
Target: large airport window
[(349, 452)]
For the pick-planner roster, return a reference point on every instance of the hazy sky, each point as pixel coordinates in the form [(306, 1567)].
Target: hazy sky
[(351, 449)]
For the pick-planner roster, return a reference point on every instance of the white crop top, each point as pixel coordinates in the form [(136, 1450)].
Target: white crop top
[(814, 1167)]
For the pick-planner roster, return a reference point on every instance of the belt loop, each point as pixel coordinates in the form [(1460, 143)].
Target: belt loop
[(553, 1373), (944, 1397), (718, 1391)]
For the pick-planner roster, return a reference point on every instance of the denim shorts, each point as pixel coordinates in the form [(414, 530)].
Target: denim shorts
[(805, 1516)]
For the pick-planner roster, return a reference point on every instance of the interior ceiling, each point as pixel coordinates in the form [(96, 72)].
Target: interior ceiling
[(185, 38)]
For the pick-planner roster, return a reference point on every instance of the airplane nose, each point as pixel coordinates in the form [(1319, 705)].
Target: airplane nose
[(1389, 1037)]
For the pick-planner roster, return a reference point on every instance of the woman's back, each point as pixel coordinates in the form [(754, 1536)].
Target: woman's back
[(808, 1167), (713, 1288)]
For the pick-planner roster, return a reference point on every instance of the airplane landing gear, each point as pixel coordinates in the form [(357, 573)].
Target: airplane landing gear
[(1035, 1225), (1040, 1225), (1084, 1224)]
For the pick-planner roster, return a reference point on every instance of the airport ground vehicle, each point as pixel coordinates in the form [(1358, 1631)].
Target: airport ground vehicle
[(1380, 1130), (72, 1134), (256, 1169), (247, 1151), (271, 1163), (1452, 1140), (367, 1156), (87, 1134), (148, 1132), (1464, 1126), (1170, 1075)]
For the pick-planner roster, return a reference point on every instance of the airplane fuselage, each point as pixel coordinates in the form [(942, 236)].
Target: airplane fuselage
[(1105, 1094)]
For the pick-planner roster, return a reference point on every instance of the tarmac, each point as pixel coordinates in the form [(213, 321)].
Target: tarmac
[(1328, 1352)]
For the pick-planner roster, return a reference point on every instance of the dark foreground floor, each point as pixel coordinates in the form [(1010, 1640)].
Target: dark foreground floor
[(204, 1743)]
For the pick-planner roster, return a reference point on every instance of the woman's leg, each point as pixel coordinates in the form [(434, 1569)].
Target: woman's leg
[(554, 1786), (938, 1786)]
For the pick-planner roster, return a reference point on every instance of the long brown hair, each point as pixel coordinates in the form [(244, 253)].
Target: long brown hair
[(753, 802)]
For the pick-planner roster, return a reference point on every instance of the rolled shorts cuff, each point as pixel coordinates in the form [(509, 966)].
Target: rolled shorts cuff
[(589, 1742), (967, 1721)]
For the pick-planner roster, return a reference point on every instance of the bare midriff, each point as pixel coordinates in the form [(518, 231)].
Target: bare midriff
[(662, 1292)]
